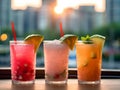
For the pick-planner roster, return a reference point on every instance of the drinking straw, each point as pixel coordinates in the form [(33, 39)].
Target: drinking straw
[(14, 36), (13, 31), (61, 29)]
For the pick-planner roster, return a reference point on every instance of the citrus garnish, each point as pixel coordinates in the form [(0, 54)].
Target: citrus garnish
[(34, 39), (98, 39), (70, 40)]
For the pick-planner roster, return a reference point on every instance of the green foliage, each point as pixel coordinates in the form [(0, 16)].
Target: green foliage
[(110, 31), (117, 57), (106, 57), (50, 34)]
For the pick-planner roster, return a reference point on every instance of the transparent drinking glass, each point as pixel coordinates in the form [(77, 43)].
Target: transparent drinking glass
[(89, 60), (56, 62), (23, 62)]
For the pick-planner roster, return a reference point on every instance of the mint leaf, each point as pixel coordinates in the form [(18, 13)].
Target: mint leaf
[(86, 39)]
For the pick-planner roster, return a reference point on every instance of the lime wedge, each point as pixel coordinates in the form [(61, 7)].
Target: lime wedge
[(70, 40), (34, 39), (98, 39)]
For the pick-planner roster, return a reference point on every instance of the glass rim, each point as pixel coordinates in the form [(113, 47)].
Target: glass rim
[(52, 42), (85, 42), (16, 41), (47, 41), (19, 42)]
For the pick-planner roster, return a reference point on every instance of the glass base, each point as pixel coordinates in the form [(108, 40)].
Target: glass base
[(56, 82), (23, 82), (89, 82)]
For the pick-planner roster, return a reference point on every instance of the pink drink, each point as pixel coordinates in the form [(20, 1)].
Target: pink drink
[(23, 61), (56, 61)]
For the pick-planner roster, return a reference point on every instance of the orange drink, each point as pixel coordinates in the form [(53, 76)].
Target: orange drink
[(89, 60)]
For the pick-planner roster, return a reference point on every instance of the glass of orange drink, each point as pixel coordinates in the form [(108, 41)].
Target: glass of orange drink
[(89, 59)]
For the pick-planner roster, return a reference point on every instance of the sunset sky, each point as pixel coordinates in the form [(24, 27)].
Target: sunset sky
[(61, 4), (22, 4)]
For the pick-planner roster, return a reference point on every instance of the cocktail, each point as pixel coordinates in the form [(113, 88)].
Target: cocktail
[(23, 59), (89, 59), (56, 53)]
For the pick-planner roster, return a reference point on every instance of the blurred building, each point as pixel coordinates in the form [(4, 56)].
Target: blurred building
[(46, 17), (17, 17), (86, 18), (31, 19), (5, 12), (83, 19), (99, 19), (7, 15), (71, 20), (25, 20), (113, 10)]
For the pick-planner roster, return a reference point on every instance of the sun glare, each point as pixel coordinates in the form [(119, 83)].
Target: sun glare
[(58, 10)]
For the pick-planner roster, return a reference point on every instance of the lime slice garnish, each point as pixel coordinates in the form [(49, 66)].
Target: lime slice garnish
[(70, 40), (98, 39), (34, 39)]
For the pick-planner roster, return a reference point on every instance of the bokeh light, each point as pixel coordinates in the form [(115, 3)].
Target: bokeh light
[(3, 37)]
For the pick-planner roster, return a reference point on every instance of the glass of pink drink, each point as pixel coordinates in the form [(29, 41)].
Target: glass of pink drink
[(23, 61), (56, 62)]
